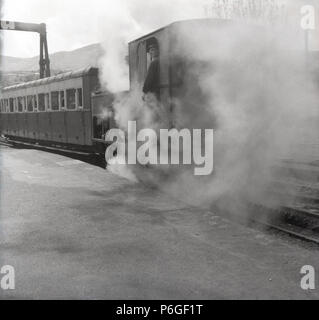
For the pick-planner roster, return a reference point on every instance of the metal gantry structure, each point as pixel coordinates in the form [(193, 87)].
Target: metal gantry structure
[(38, 28)]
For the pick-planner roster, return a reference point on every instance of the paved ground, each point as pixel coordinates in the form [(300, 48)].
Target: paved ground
[(72, 230)]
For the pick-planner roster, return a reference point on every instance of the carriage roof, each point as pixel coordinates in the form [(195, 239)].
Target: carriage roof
[(59, 77)]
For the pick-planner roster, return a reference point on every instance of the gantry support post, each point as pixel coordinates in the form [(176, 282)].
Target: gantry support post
[(33, 27)]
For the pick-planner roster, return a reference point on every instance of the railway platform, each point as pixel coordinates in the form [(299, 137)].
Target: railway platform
[(73, 230)]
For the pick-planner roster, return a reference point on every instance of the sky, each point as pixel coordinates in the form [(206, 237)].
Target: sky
[(75, 23)]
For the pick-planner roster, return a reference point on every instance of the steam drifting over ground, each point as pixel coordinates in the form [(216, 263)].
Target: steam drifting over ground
[(259, 97)]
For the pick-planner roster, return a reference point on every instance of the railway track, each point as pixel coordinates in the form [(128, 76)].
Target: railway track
[(288, 220), (293, 231), (297, 221)]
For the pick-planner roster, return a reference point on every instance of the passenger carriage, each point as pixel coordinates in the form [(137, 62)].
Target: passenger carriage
[(51, 110)]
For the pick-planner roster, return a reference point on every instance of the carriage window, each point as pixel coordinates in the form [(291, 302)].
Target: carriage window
[(47, 101), (30, 103), (41, 102), (20, 104), (24, 104), (80, 99), (70, 99), (62, 101), (11, 101), (35, 100), (55, 100)]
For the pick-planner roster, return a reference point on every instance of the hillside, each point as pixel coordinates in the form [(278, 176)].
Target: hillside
[(61, 61)]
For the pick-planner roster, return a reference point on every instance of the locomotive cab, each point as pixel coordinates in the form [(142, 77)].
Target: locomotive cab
[(180, 68)]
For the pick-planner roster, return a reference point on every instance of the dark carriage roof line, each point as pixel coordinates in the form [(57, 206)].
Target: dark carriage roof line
[(59, 77)]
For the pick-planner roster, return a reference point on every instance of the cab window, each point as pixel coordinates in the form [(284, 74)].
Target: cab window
[(141, 62)]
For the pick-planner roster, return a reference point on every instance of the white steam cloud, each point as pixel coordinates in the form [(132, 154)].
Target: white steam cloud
[(259, 97), (263, 100)]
